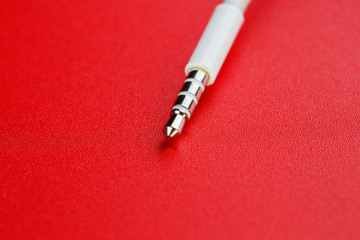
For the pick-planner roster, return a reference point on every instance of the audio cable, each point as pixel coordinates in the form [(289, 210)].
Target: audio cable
[(206, 61)]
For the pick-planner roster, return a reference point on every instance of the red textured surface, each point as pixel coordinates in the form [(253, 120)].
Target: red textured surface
[(272, 151)]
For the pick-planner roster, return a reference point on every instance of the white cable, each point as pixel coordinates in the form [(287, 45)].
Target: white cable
[(218, 38), (241, 4), (207, 59)]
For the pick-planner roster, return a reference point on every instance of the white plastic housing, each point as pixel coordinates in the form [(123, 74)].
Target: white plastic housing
[(217, 40)]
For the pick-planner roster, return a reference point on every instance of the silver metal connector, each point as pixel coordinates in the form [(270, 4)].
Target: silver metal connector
[(186, 102)]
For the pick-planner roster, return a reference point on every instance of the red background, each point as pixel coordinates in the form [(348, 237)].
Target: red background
[(272, 151)]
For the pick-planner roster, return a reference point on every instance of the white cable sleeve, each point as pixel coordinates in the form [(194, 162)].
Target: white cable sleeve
[(218, 37)]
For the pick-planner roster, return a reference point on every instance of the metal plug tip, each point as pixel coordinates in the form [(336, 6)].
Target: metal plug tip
[(175, 125), (171, 132)]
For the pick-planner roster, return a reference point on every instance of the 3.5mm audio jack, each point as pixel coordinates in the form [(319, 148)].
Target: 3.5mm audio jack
[(206, 61), (186, 102)]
